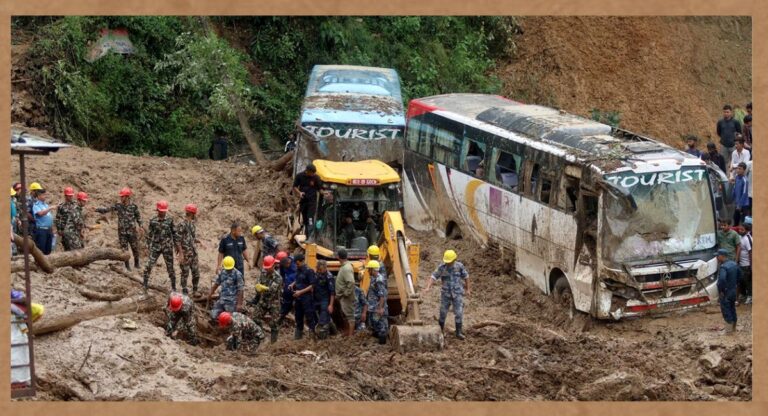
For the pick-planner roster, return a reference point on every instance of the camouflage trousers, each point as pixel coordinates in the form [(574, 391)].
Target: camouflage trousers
[(71, 240), (448, 299), (249, 339), (184, 323), (154, 254), (190, 265), (378, 324), (260, 312), (129, 240)]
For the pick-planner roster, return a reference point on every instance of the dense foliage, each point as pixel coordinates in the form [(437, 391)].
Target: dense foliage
[(170, 96)]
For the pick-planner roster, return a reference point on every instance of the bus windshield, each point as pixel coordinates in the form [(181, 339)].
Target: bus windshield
[(674, 215)]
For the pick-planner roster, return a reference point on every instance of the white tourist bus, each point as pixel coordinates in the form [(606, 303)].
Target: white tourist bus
[(611, 223)]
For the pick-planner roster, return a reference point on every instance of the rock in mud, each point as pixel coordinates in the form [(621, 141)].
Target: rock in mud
[(711, 360)]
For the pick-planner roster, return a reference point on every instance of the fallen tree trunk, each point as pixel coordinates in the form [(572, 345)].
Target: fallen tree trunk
[(132, 304), (37, 255), (279, 164), (93, 295), (74, 258)]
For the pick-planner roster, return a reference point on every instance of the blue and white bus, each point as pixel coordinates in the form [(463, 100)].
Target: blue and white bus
[(351, 113)]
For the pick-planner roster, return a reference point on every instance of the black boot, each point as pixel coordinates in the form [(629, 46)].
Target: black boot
[(273, 336), (173, 284), (442, 326), (382, 339), (146, 284), (136, 264), (127, 265), (298, 334), (459, 334), (184, 291)]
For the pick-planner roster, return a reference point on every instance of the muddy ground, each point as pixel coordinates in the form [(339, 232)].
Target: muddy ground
[(538, 353)]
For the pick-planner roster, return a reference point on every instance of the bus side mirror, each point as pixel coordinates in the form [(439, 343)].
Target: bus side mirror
[(721, 179)]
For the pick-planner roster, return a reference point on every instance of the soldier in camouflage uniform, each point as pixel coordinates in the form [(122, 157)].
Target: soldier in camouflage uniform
[(375, 311), (161, 240), (186, 230), (268, 245), (451, 273), (67, 222), (128, 217), (359, 304), (324, 292), (181, 315), (242, 331), (82, 200), (267, 299)]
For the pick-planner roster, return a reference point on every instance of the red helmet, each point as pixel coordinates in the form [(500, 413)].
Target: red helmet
[(82, 196), (175, 303), (68, 191), (281, 255), (126, 191), (268, 262), (162, 206), (225, 318), (191, 208)]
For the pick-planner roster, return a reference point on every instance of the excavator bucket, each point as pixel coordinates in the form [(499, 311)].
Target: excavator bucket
[(407, 338)]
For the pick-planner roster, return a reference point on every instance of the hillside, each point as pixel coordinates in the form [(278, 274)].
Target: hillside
[(667, 76)]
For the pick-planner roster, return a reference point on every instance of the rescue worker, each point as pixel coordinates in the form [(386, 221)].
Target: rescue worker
[(376, 311), (82, 201), (345, 291), (180, 311), (128, 224), (373, 254), (307, 185), (43, 223), (451, 273), (233, 245), (68, 221), (162, 240), (267, 299), (242, 331), (324, 293), (359, 305), (232, 284), (34, 188), (267, 246), (302, 288), (288, 274), (728, 275), (187, 233)]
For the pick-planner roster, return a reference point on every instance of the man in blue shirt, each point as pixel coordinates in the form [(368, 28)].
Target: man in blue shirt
[(233, 245), (302, 293), (728, 274), (740, 194), (43, 223), (692, 141), (288, 272)]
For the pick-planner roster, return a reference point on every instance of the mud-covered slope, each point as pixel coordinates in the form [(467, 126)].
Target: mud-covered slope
[(667, 76), (536, 353)]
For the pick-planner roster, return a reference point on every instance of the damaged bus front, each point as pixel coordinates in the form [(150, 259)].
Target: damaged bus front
[(658, 232)]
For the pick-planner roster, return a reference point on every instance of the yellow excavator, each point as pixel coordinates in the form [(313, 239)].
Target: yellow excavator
[(360, 206)]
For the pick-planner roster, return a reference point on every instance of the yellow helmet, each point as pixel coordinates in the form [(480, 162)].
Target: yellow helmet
[(449, 256), (34, 186), (373, 250), (13, 192), (373, 264), (228, 263), (256, 229)]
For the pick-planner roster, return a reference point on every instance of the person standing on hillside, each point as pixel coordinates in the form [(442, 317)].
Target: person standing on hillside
[(162, 240), (288, 273), (187, 232), (128, 224), (345, 291), (740, 155), (268, 245), (740, 194), (218, 149), (727, 239), (716, 157), (233, 245), (454, 277), (376, 310), (267, 299), (748, 132), (302, 293), (692, 141), (727, 277), (745, 259), (307, 185), (727, 127), (67, 222), (43, 223), (324, 292)]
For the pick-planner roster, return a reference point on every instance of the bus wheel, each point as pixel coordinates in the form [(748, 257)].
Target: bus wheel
[(453, 231), (563, 295)]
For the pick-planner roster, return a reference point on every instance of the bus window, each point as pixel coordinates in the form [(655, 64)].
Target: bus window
[(531, 190), (446, 144), (414, 126), (426, 131), (546, 188), (569, 194), (473, 155), (506, 168)]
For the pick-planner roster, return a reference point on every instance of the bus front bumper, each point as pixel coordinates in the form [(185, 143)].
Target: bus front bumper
[(634, 308)]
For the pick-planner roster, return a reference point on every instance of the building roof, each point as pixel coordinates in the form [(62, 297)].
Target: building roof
[(22, 141), (362, 173)]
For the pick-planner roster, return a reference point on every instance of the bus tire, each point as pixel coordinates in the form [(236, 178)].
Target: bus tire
[(453, 231), (563, 295)]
